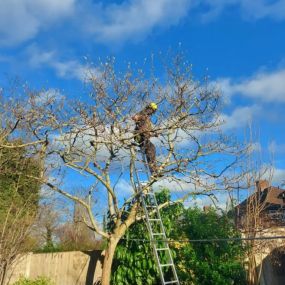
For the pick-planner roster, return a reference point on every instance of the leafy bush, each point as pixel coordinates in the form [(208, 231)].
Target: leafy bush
[(38, 281), (197, 263), (134, 262), (50, 248)]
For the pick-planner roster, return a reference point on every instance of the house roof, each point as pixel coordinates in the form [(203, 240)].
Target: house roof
[(267, 194), (274, 195)]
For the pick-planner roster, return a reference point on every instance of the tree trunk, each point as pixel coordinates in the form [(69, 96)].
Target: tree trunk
[(108, 260)]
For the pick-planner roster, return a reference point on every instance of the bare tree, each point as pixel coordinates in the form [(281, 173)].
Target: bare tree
[(14, 230), (46, 225), (253, 228), (74, 234), (252, 214), (94, 137)]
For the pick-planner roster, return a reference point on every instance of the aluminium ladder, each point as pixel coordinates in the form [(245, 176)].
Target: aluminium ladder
[(158, 239)]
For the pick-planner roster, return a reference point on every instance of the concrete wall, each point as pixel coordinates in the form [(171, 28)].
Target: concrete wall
[(265, 248), (64, 268), (85, 268), (269, 275)]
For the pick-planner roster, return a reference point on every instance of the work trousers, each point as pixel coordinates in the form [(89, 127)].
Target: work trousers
[(148, 149)]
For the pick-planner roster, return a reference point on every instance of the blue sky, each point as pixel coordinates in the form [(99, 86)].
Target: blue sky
[(239, 43)]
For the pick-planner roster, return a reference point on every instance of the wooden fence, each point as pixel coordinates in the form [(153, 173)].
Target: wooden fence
[(63, 268)]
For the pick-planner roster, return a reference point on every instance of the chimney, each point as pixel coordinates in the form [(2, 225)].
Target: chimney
[(261, 185), (206, 209)]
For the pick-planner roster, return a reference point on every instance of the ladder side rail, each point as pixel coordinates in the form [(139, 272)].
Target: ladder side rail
[(161, 224), (158, 214), (154, 244), (165, 237), (163, 229), (153, 240)]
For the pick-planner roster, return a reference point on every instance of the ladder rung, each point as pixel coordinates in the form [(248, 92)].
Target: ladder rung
[(150, 207), (167, 264), (171, 282)]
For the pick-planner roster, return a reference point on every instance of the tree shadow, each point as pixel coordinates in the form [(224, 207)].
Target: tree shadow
[(273, 267), (95, 256)]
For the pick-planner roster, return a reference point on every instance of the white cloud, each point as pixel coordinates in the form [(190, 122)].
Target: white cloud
[(64, 69), (255, 147), (278, 176), (253, 9), (240, 117), (132, 20), (22, 20), (177, 189), (116, 22), (175, 186), (265, 86), (127, 20), (257, 9), (215, 7), (220, 200), (49, 95), (124, 189), (72, 69), (276, 148)]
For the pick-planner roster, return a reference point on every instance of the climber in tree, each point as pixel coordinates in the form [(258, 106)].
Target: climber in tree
[(143, 133)]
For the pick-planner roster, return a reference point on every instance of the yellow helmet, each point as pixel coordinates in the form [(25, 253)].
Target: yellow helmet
[(153, 106)]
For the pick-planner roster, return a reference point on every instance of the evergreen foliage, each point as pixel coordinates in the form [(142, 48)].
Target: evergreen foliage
[(16, 186), (197, 263), (19, 197), (134, 262), (211, 262)]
